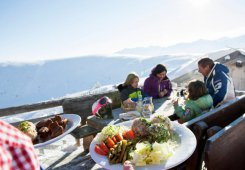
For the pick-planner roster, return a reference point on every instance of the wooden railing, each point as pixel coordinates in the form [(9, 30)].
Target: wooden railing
[(80, 105)]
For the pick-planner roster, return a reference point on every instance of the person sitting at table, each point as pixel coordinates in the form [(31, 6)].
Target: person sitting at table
[(130, 92), (217, 80), (16, 149), (196, 102), (158, 85)]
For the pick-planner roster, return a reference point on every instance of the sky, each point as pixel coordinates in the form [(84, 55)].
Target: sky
[(43, 29)]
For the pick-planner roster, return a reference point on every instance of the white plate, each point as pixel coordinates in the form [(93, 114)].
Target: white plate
[(74, 121), (183, 151)]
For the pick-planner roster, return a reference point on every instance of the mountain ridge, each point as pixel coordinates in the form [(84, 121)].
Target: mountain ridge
[(198, 46)]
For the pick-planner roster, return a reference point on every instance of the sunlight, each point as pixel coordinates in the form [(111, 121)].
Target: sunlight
[(199, 3)]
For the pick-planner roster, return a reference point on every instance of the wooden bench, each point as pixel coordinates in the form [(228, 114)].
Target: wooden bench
[(226, 149), (82, 132), (221, 117)]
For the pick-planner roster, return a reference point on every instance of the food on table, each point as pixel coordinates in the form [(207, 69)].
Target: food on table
[(155, 153), (29, 129), (146, 142), (129, 134), (45, 129), (43, 123), (111, 130), (56, 129), (162, 119), (44, 132), (140, 126), (99, 150), (158, 132)]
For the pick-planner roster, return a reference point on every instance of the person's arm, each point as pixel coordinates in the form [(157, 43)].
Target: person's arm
[(149, 90), (185, 114), (124, 95), (127, 103), (219, 83), (169, 88)]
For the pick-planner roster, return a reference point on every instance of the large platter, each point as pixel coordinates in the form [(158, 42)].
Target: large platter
[(73, 121), (185, 149)]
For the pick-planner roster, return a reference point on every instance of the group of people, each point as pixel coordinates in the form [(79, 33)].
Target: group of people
[(157, 85), (216, 89)]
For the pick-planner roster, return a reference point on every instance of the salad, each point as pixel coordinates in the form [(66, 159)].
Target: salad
[(145, 142)]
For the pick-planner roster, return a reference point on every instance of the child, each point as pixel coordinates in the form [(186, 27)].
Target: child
[(129, 92), (197, 101)]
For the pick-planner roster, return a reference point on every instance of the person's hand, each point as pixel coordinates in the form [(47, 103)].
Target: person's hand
[(129, 105), (163, 93), (175, 102), (128, 165), (131, 102)]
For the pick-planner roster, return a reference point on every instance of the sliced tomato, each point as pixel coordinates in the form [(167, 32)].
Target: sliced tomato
[(125, 135), (130, 134), (119, 137), (104, 147), (109, 142), (114, 139), (99, 151)]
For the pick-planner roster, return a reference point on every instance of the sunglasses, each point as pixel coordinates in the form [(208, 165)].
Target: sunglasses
[(102, 102)]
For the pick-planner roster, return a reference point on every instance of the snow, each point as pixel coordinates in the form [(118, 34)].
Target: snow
[(36, 82)]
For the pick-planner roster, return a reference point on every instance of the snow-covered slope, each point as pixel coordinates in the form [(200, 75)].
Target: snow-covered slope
[(30, 83), (199, 46)]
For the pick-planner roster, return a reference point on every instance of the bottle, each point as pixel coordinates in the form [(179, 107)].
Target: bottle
[(139, 104), (146, 112), (152, 105)]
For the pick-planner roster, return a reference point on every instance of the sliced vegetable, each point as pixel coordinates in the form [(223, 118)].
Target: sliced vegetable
[(110, 143), (124, 144), (104, 147), (114, 139), (130, 134), (119, 137), (99, 151), (124, 135)]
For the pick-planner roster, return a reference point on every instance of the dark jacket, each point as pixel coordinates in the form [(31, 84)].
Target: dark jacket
[(219, 84), (129, 92), (151, 86)]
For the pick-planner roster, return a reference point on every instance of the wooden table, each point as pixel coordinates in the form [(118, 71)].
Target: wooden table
[(163, 106)]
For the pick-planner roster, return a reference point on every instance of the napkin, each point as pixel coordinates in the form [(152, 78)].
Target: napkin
[(129, 115)]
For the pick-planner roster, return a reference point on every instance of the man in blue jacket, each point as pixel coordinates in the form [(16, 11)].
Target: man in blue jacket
[(218, 82)]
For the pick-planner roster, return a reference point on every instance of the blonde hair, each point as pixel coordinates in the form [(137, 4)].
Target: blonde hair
[(196, 89), (130, 78)]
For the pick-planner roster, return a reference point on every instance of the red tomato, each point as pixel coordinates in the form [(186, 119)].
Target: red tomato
[(119, 137), (99, 151), (124, 135), (104, 147), (130, 134), (110, 142)]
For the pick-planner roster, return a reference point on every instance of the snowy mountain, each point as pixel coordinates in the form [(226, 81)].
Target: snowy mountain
[(200, 46), (29, 83), (26, 83)]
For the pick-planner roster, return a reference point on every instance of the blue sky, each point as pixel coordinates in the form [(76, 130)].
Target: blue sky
[(50, 29)]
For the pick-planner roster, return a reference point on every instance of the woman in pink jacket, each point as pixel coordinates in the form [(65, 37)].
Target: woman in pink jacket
[(158, 85)]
